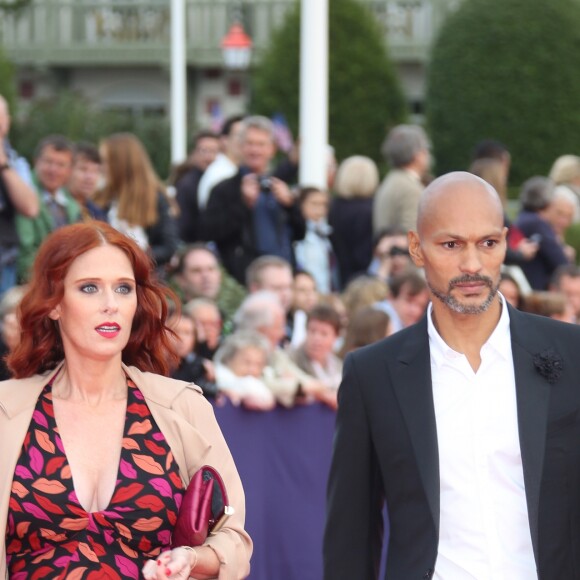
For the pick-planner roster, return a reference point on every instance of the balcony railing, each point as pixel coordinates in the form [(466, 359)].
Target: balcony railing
[(118, 32)]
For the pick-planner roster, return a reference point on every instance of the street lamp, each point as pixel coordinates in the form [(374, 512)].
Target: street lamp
[(237, 48)]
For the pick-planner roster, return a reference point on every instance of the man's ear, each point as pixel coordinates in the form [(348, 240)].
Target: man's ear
[(54, 314), (415, 249)]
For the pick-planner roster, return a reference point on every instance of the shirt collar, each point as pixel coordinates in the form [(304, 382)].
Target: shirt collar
[(59, 197), (499, 340)]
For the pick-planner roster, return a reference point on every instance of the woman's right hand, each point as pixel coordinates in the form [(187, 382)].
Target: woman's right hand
[(176, 564)]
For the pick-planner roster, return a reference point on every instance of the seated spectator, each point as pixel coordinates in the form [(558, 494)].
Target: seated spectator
[(239, 364), (85, 179), (9, 325), (408, 301), (335, 301), (192, 367), (316, 355), (536, 197), (351, 216), (363, 291), (304, 297), (561, 215), (275, 274), (566, 279), (253, 213), (511, 290), (262, 312), (17, 196), (52, 168), (198, 274), (134, 198), (209, 325), (566, 171), (390, 254), (551, 304), (315, 254), (366, 326)]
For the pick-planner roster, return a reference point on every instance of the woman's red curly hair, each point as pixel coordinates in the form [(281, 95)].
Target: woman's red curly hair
[(40, 348)]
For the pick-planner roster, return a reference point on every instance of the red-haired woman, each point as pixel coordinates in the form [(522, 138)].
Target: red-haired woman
[(96, 448)]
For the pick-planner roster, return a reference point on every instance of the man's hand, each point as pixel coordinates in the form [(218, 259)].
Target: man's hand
[(250, 189), (281, 192)]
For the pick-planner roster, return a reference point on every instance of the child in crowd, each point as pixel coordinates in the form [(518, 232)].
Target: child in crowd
[(315, 356), (366, 326), (239, 365), (314, 253), (192, 367), (304, 297)]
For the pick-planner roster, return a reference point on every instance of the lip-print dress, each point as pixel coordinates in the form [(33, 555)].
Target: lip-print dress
[(50, 535)]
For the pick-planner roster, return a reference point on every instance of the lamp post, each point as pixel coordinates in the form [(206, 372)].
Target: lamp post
[(314, 93), (178, 110), (237, 48)]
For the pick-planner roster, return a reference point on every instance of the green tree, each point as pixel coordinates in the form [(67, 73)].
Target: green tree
[(71, 115), (7, 85), (365, 97), (509, 71)]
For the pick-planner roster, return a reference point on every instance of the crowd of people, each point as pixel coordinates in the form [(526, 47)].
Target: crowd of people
[(276, 281)]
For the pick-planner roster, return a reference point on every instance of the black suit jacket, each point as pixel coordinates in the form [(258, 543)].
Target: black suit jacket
[(229, 222), (386, 449)]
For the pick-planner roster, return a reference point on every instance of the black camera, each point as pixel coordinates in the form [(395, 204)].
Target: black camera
[(398, 251), (265, 183)]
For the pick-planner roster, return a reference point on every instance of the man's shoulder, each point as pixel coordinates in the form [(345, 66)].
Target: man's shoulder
[(536, 327), (401, 345), (397, 183)]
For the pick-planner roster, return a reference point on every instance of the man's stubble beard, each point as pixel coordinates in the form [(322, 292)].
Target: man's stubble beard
[(453, 304)]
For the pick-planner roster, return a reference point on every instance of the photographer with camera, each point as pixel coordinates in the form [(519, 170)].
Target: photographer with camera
[(253, 213), (390, 254)]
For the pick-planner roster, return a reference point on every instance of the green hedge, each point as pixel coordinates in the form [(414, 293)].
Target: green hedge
[(506, 70), (365, 97)]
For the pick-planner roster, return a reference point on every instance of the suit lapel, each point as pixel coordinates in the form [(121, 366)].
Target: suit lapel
[(533, 398), (412, 384)]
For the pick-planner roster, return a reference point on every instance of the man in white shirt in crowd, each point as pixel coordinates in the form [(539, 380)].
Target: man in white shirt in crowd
[(226, 162)]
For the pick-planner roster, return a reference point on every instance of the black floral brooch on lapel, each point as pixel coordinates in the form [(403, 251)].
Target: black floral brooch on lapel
[(549, 365)]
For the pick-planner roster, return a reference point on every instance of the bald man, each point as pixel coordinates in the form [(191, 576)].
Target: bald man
[(466, 424)]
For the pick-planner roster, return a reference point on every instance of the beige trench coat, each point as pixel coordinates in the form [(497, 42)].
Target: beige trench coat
[(188, 423)]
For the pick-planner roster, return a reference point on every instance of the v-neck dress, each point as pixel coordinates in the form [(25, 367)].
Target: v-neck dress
[(50, 535)]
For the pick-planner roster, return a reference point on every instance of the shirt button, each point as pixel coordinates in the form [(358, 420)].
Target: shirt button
[(428, 574)]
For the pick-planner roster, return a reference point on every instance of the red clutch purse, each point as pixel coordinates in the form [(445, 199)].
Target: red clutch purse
[(204, 509)]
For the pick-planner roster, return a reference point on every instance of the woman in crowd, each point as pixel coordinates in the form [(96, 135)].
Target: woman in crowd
[(191, 367), (9, 327), (92, 439), (366, 326), (351, 215), (135, 199)]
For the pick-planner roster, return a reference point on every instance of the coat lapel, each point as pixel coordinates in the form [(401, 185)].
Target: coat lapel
[(533, 398), (412, 384)]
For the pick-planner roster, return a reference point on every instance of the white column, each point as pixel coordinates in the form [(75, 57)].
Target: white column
[(313, 92), (178, 83)]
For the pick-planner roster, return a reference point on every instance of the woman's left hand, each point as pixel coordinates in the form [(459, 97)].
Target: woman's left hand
[(173, 564)]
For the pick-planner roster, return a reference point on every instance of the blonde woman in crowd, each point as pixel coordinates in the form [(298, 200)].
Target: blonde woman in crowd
[(135, 198), (351, 215)]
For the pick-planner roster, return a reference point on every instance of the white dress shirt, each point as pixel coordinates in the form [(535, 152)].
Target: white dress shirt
[(222, 167), (484, 531)]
